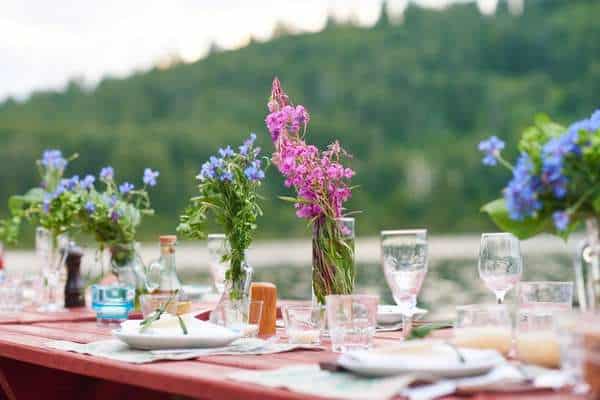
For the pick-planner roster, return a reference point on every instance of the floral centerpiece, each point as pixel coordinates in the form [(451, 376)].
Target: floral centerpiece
[(322, 187), (53, 207), (228, 185), (112, 215), (555, 183)]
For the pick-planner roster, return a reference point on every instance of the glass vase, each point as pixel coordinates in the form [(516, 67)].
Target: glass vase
[(333, 269), (587, 267), (235, 295), (128, 267), (51, 251)]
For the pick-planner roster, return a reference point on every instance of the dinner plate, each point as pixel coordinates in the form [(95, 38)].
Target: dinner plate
[(390, 314), (211, 336), (439, 363)]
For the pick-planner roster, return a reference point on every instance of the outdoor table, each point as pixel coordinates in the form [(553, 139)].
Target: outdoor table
[(29, 370)]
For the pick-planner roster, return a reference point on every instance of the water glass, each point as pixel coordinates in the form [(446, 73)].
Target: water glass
[(11, 297), (537, 341), (484, 326), (242, 316), (218, 247), (500, 262), (112, 303), (351, 321), (302, 324), (404, 262), (567, 326)]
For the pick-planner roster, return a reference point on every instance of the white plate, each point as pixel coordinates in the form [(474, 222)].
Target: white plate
[(389, 314), (438, 364), (212, 336)]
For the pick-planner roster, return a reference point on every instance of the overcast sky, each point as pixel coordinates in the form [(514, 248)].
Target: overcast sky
[(44, 43)]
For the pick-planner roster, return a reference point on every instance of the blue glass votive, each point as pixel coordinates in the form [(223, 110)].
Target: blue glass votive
[(112, 303)]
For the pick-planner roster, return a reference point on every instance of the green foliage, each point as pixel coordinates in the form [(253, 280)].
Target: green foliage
[(525, 229), (410, 101)]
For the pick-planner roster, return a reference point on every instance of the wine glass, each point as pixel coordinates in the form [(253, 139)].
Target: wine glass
[(404, 261), (500, 262)]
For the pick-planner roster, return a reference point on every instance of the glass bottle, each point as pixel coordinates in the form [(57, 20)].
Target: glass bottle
[(162, 274), (587, 267)]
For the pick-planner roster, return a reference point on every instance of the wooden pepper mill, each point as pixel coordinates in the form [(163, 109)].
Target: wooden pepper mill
[(267, 293), (74, 287)]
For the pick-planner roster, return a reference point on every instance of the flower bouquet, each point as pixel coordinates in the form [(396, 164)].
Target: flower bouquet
[(555, 184), (228, 185), (322, 187)]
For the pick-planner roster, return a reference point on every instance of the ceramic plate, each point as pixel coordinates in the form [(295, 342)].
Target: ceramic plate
[(212, 336), (442, 364), (389, 314)]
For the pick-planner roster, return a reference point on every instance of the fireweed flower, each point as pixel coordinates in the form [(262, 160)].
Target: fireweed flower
[(87, 182), (107, 173), (150, 177), (125, 188), (561, 220), (492, 148)]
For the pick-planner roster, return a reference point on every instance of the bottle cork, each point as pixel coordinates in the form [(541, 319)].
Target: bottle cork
[(267, 293)]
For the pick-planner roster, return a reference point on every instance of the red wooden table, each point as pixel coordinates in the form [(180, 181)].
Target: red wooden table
[(29, 370)]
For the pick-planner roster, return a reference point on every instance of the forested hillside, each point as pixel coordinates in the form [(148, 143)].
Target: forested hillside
[(410, 101)]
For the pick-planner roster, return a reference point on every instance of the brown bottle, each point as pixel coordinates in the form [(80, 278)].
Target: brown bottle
[(74, 288)]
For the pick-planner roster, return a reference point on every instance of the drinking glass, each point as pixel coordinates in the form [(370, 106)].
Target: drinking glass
[(243, 316), (218, 247), (11, 296), (500, 262), (351, 321), (404, 261), (567, 326), (112, 303), (539, 304), (302, 323), (484, 326)]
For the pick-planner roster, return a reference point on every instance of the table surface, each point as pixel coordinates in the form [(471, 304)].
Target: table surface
[(22, 338)]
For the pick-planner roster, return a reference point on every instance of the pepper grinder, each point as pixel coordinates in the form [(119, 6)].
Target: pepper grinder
[(74, 288)]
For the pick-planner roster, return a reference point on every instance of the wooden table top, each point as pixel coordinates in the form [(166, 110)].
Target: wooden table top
[(23, 339)]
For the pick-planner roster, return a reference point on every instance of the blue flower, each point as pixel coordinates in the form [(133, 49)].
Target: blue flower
[(125, 188), (216, 162), (88, 182), (115, 215), (150, 177), (492, 148), (521, 193), (70, 183), (244, 148), (107, 173), (207, 171), (46, 202), (226, 176), (110, 201), (254, 173), (90, 207), (60, 189), (226, 152), (561, 220), (54, 159), (595, 121)]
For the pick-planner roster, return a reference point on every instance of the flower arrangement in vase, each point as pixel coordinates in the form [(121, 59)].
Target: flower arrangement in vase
[(112, 216), (228, 186), (322, 186), (555, 186)]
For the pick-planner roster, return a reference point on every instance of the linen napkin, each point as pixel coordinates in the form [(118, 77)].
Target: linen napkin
[(114, 349)]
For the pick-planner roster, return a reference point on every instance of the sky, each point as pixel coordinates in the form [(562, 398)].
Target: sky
[(44, 44)]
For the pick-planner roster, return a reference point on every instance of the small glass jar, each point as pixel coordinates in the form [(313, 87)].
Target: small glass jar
[(112, 303)]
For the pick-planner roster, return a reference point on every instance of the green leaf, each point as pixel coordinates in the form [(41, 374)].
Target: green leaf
[(525, 229), (423, 331), (596, 204)]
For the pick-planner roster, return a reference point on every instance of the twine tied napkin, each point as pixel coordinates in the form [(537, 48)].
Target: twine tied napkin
[(114, 349)]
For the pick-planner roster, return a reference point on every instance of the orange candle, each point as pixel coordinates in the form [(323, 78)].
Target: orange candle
[(267, 293)]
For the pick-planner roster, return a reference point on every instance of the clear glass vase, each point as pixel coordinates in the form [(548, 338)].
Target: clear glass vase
[(587, 267), (333, 269), (128, 267), (51, 251), (235, 295)]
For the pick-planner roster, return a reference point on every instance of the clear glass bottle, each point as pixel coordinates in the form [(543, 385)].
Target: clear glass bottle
[(162, 274)]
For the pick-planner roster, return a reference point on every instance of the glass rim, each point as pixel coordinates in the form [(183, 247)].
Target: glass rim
[(402, 231), (345, 219), (546, 283), (216, 236), (487, 234), (298, 307)]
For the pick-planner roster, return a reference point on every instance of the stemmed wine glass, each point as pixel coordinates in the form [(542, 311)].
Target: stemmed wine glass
[(404, 261), (500, 262)]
